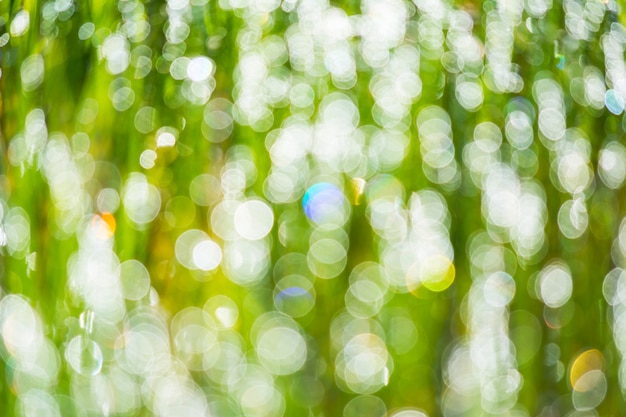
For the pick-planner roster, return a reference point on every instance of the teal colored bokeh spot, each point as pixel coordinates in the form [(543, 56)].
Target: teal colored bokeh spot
[(614, 102)]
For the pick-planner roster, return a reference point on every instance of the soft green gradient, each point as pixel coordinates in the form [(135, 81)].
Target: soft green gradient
[(103, 75)]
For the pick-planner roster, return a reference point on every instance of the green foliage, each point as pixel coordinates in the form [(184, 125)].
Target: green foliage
[(265, 208)]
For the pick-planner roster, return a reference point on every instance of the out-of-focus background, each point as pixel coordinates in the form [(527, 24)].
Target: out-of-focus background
[(309, 208)]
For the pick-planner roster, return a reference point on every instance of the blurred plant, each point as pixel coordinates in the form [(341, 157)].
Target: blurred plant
[(266, 208)]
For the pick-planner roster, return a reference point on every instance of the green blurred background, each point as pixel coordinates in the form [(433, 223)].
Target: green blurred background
[(266, 208)]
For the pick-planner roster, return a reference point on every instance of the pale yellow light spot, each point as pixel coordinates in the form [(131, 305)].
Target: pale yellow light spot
[(436, 273), (357, 185), (589, 360)]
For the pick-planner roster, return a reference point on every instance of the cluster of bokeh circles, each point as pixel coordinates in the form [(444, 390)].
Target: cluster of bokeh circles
[(270, 208)]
